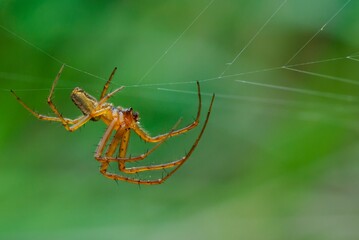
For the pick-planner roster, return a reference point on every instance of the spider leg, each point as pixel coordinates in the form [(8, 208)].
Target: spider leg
[(49, 118), (181, 161), (123, 136), (103, 170), (84, 119), (102, 144), (121, 159), (124, 143), (52, 106), (177, 163), (106, 97), (139, 131), (116, 140), (105, 164), (108, 83), (80, 121), (76, 123), (123, 148), (66, 122), (41, 116)]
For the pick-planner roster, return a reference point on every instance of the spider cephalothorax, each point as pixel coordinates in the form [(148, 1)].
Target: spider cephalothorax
[(120, 122)]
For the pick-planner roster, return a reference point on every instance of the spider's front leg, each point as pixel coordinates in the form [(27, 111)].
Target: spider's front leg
[(177, 163), (146, 137)]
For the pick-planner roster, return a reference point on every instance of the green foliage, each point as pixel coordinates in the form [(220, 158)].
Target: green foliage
[(272, 164)]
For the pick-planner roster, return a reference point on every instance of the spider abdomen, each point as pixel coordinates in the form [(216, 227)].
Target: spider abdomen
[(84, 101)]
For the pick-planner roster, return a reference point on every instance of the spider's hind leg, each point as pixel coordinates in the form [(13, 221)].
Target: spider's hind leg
[(45, 117), (51, 104), (36, 114)]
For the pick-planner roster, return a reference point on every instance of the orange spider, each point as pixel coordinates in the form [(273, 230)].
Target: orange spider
[(120, 121)]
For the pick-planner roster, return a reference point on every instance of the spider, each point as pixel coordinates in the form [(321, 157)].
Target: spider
[(120, 121)]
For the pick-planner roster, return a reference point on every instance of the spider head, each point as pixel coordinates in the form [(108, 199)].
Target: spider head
[(131, 114), (84, 101), (135, 116)]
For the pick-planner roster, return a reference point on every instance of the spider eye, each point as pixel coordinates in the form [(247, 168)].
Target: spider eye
[(135, 116)]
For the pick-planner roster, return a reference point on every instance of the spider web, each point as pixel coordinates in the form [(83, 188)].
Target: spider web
[(289, 68), (342, 101), (314, 101)]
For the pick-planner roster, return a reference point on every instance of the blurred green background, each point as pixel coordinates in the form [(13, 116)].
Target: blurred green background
[(272, 164)]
